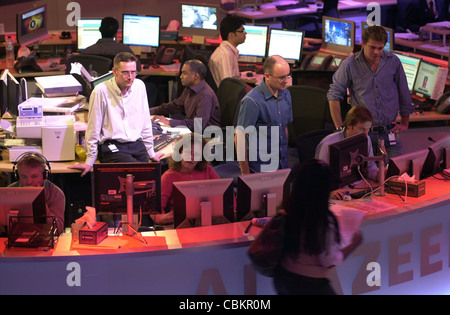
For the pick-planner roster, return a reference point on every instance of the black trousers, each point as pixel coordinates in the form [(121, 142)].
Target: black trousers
[(112, 151), (288, 283)]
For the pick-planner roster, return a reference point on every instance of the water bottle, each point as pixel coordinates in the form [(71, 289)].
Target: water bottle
[(347, 196), (9, 47)]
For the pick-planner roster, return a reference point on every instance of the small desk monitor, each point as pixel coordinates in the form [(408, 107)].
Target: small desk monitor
[(438, 157), (141, 30), (88, 32), (3, 92), (287, 44), (427, 77), (21, 201), (410, 163), (411, 67), (32, 25), (261, 194), (344, 160), (338, 36), (203, 202), (390, 34), (255, 45), (110, 187), (200, 20), (14, 94)]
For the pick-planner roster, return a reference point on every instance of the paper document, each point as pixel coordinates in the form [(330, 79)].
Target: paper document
[(440, 25), (409, 36)]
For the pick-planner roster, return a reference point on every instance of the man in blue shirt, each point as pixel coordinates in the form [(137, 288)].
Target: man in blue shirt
[(376, 80), (264, 115)]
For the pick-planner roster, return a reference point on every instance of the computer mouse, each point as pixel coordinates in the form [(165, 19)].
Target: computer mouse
[(249, 74)]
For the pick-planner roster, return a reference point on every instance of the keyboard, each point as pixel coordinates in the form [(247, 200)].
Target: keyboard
[(423, 105), (291, 6), (161, 141), (247, 67)]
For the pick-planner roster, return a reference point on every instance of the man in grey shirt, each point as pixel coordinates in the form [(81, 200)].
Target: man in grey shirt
[(376, 80)]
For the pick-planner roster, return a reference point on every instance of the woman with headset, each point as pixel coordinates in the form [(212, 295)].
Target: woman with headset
[(33, 170)]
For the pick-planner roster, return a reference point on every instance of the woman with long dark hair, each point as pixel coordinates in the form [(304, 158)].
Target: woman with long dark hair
[(312, 244)]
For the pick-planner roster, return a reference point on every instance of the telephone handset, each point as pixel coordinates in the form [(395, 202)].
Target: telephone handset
[(316, 62), (165, 55), (443, 103)]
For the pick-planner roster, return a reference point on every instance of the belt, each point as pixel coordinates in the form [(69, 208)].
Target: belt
[(380, 129)]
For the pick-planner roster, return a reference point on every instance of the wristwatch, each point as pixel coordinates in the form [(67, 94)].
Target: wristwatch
[(340, 128)]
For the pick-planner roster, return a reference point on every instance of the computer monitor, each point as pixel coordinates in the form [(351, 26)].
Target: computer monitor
[(390, 34), (14, 94), (427, 76), (338, 35), (438, 157), (345, 159), (110, 187), (287, 44), (3, 92), (410, 163), (141, 30), (255, 45), (203, 202), (261, 194), (32, 25), (21, 201), (199, 20), (411, 67), (88, 32)]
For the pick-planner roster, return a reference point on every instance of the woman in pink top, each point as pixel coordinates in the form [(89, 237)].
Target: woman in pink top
[(312, 244), (191, 166)]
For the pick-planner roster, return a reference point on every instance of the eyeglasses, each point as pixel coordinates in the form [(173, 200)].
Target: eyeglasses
[(128, 73), (240, 31), (282, 78)]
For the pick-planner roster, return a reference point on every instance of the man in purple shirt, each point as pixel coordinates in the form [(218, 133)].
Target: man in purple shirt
[(198, 100), (376, 80)]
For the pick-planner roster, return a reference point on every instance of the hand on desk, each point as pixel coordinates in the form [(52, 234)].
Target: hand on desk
[(84, 168), (157, 157), (161, 120)]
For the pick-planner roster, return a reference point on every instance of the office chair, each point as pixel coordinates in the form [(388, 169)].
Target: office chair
[(310, 110), (95, 65), (229, 94), (312, 23), (203, 56), (307, 143)]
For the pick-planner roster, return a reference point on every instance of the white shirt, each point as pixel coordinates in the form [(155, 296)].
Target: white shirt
[(223, 62), (113, 116)]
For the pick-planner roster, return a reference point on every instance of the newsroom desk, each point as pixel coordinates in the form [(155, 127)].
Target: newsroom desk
[(409, 242), (269, 11)]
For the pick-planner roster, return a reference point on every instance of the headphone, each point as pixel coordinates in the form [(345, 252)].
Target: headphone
[(35, 156)]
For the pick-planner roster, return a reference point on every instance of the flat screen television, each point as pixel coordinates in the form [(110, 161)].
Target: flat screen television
[(286, 43), (345, 160), (410, 163), (110, 187), (438, 157), (141, 30), (203, 202), (411, 67), (201, 20), (390, 33), (338, 35), (31, 25), (21, 201), (88, 32), (427, 77), (255, 46), (261, 194)]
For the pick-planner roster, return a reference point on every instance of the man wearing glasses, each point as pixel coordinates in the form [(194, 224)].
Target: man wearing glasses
[(223, 62), (264, 115), (119, 125)]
